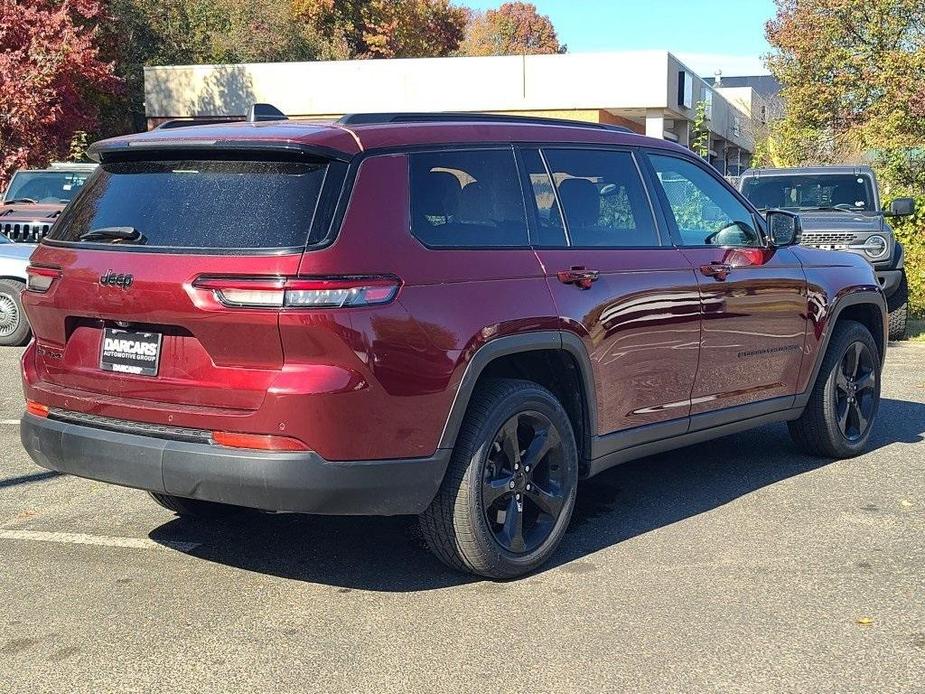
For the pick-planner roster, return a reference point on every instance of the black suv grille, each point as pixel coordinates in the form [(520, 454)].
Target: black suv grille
[(812, 238), (160, 431), (25, 231)]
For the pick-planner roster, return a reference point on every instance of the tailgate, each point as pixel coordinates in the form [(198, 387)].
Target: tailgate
[(209, 355)]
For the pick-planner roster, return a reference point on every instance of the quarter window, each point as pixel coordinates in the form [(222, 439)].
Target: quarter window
[(467, 198), (705, 211), (602, 198)]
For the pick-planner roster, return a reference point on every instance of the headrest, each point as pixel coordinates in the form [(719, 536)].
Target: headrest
[(581, 201)]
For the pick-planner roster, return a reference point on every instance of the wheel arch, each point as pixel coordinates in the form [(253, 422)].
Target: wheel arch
[(500, 353), (866, 306)]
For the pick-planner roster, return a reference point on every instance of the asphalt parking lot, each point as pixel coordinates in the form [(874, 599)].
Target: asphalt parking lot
[(737, 565)]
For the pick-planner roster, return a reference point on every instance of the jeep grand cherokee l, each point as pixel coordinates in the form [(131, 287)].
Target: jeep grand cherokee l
[(456, 316)]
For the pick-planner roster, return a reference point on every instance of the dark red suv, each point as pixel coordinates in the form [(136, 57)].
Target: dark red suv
[(457, 316)]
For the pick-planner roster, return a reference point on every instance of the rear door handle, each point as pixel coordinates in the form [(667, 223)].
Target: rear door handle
[(579, 276), (718, 271)]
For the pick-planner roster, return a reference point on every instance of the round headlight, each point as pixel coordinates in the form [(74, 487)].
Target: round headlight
[(875, 246)]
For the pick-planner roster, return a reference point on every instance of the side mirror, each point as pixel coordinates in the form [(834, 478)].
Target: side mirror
[(784, 228), (901, 207)]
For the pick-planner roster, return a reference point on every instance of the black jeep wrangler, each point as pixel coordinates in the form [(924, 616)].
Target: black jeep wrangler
[(840, 210)]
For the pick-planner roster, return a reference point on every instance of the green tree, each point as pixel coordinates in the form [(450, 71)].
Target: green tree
[(515, 28), (851, 74)]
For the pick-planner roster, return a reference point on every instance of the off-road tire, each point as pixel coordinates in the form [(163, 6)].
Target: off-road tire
[(454, 525), (899, 313), (10, 291), (196, 508), (816, 431)]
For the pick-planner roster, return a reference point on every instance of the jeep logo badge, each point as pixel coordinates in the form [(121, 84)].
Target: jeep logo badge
[(111, 280)]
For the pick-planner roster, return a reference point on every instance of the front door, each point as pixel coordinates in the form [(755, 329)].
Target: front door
[(754, 296), (619, 283)]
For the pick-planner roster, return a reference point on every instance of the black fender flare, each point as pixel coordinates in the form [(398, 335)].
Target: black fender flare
[(869, 295), (516, 344)]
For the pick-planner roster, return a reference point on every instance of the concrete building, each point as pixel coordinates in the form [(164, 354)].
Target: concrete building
[(651, 92)]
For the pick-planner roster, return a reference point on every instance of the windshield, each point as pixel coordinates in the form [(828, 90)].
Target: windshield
[(811, 192), (50, 187), (197, 204)]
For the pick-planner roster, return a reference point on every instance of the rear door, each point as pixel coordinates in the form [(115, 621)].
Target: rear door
[(127, 291), (754, 297), (619, 283)]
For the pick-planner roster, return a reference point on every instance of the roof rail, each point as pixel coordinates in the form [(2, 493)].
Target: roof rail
[(190, 122), (264, 112), (462, 117)]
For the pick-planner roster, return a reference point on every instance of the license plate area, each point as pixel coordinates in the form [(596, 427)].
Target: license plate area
[(130, 352)]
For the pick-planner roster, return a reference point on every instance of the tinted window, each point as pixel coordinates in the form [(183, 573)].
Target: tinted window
[(199, 204), (467, 199), (549, 228), (602, 198), (705, 211)]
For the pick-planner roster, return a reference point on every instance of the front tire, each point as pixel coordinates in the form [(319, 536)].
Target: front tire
[(841, 410), (899, 314), (509, 491), (14, 328)]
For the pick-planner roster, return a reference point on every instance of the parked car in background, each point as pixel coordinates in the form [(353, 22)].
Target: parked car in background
[(14, 258), (840, 210), (452, 315), (35, 197)]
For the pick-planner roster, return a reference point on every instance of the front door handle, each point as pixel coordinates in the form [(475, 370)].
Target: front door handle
[(718, 271), (579, 276)]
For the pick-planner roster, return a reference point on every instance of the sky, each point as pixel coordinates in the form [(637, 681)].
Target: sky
[(707, 35)]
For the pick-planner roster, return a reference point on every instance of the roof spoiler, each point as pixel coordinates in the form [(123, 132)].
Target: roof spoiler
[(264, 112)]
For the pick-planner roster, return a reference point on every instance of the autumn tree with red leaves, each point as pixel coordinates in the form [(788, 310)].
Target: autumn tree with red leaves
[(515, 28), (50, 72), (383, 28)]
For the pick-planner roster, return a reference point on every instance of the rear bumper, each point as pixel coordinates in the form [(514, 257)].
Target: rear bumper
[(299, 482)]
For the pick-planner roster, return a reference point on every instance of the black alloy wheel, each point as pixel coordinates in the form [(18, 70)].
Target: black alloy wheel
[(855, 391), (523, 484)]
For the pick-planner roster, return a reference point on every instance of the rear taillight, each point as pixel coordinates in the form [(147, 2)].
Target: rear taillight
[(301, 292), (40, 279), (36, 409)]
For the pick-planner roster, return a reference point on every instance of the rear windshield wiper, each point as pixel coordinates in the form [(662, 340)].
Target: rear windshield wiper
[(114, 234)]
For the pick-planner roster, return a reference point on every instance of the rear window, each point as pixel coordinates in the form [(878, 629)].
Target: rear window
[(467, 199), (199, 204)]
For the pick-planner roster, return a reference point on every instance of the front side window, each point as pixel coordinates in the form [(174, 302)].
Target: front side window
[(705, 211), (602, 198), (467, 199)]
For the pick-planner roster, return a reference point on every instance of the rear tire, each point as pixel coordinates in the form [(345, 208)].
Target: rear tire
[(14, 328), (843, 405), (509, 491), (196, 508), (900, 314)]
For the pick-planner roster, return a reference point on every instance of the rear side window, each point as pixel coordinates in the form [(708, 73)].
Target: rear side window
[(602, 198), (467, 199), (199, 204)]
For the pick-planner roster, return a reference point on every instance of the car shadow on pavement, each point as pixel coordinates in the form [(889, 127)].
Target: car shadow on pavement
[(388, 554)]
